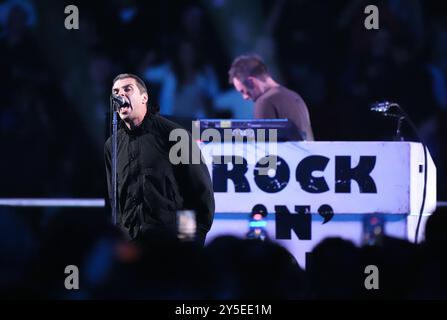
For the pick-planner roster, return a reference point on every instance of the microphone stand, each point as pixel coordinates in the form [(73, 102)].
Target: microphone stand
[(398, 136), (114, 159), (424, 191), (400, 119), (401, 116)]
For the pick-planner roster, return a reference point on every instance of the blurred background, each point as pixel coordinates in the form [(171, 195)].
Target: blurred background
[(56, 82)]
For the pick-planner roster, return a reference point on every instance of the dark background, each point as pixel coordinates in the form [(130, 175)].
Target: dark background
[(54, 120)]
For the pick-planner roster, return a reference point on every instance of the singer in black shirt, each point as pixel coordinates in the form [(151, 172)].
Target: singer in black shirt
[(150, 188)]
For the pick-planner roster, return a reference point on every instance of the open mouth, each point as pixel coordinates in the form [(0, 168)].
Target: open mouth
[(125, 109)]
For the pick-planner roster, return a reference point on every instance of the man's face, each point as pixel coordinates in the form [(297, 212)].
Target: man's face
[(249, 88), (128, 89)]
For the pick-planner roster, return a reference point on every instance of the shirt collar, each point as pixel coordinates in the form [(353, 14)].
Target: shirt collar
[(267, 90), (143, 127)]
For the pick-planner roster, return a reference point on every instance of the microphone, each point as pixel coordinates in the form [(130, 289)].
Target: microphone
[(119, 101), (381, 106)]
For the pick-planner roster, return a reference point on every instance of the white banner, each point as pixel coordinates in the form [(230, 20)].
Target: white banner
[(345, 177)]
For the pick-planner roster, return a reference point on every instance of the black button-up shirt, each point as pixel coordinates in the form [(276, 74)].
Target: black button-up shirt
[(150, 188)]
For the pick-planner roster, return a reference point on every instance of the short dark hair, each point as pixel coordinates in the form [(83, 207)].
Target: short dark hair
[(140, 83), (141, 86), (245, 66)]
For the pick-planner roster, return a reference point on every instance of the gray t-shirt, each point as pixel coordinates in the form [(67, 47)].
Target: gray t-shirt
[(280, 102)]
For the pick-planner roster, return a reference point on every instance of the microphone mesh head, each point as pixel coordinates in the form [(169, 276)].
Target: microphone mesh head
[(119, 101)]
